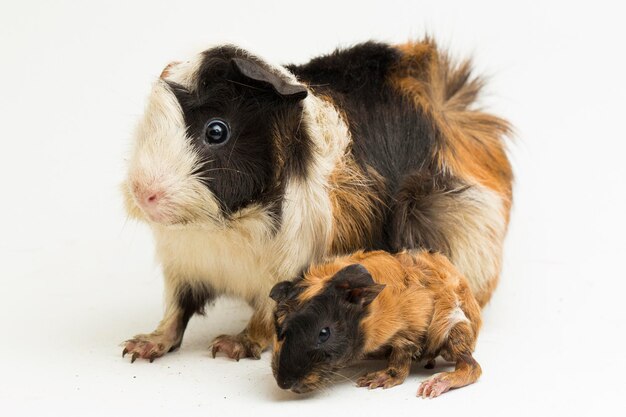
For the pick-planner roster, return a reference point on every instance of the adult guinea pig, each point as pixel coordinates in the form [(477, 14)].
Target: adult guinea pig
[(410, 306), (248, 172)]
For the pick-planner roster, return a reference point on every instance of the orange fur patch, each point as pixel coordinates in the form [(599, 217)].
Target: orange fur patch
[(473, 148), (421, 294), (357, 206)]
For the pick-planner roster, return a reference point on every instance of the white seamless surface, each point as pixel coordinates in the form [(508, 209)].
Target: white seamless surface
[(76, 278)]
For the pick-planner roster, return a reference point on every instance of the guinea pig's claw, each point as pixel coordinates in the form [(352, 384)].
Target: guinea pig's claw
[(433, 387), (236, 347), (380, 379), (148, 346)]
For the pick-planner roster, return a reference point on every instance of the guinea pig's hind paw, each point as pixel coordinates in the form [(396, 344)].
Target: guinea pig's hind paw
[(145, 347), (433, 387), (381, 379), (236, 347)]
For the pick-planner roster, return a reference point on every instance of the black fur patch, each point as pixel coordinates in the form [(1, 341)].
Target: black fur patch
[(337, 308), (246, 169), (388, 133), (415, 207)]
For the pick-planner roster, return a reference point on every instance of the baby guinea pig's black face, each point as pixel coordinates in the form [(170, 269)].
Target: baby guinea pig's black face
[(317, 336), (226, 122)]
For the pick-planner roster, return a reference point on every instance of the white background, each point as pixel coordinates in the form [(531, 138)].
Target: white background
[(77, 278)]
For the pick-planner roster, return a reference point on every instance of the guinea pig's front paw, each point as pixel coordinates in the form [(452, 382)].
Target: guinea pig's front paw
[(434, 386), (236, 347), (386, 378), (147, 346)]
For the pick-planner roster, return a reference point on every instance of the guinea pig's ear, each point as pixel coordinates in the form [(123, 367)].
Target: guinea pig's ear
[(282, 85), (166, 71), (357, 285), (280, 291)]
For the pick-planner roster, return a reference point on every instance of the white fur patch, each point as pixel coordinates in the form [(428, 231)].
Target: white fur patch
[(456, 316), (307, 210), (242, 257), (163, 159), (475, 226), (185, 73)]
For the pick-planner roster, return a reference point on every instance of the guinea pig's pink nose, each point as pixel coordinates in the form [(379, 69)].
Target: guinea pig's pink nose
[(150, 197), (153, 198)]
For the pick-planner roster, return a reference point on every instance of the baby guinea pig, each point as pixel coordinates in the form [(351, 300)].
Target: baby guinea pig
[(414, 305)]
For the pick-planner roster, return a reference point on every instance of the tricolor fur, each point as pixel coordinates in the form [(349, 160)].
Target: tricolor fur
[(370, 147), (408, 307)]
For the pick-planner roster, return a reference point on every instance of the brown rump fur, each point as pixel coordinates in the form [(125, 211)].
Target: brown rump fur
[(473, 149)]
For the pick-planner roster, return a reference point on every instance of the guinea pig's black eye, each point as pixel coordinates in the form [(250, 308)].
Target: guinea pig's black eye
[(324, 335), (216, 132)]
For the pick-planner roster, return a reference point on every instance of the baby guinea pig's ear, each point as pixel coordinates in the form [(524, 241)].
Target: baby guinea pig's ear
[(280, 83), (280, 291), (357, 285)]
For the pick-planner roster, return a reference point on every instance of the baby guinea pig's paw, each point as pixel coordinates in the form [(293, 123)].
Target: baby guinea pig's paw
[(434, 386), (386, 378), (147, 346), (236, 347)]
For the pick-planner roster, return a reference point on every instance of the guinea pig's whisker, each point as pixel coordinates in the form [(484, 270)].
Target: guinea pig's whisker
[(203, 159), (325, 385), (359, 372), (232, 149), (200, 167), (125, 223), (300, 123), (201, 163), (199, 176), (227, 169), (321, 386), (199, 171), (342, 376), (245, 85)]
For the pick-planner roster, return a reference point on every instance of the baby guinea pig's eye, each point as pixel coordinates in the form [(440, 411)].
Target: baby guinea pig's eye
[(324, 335), (216, 132)]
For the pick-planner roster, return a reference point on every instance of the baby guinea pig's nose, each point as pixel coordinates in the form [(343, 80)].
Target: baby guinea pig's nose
[(299, 388), (286, 383)]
